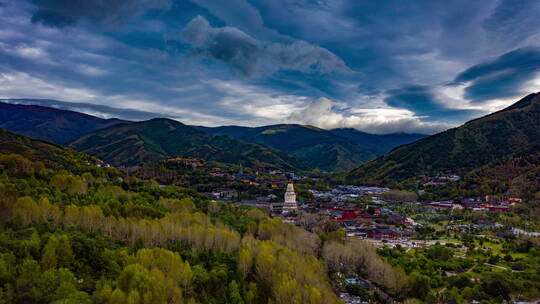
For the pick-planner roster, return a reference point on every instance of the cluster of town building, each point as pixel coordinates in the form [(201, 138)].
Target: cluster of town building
[(350, 192), (193, 162), (365, 222), (487, 203), (439, 179), (260, 178), (372, 222)]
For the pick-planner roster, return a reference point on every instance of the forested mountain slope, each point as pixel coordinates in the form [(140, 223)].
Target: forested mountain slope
[(41, 151), (83, 234), (160, 138), (377, 144), (334, 150), (319, 148), (512, 131)]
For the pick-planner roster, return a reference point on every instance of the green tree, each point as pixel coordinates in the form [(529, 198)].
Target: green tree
[(497, 286), (234, 293), (418, 286)]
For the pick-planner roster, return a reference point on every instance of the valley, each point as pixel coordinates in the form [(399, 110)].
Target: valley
[(269, 152), (211, 202)]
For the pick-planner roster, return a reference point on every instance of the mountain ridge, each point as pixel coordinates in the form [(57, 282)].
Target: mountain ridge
[(50, 124), (161, 138), (51, 154), (479, 142), (318, 147), (329, 150)]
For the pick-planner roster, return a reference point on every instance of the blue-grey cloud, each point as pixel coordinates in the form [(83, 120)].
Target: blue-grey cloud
[(413, 97), (513, 22), (60, 13), (424, 102), (243, 52), (502, 77), (242, 15), (360, 54), (227, 44)]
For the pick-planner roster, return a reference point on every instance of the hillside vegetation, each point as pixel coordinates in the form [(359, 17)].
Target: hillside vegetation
[(510, 133), (317, 147), (157, 139), (375, 143), (71, 232)]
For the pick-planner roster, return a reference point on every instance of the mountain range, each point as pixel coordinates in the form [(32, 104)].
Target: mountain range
[(482, 145), (291, 146), (329, 150), (54, 156), (500, 138), (320, 148), (50, 124), (159, 138), (375, 143)]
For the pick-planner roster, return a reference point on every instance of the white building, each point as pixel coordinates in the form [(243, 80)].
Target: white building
[(290, 200)]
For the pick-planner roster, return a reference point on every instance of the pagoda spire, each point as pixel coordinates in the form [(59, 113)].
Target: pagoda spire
[(289, 204)]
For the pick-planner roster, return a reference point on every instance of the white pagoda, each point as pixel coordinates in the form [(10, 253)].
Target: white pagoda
[(290, 200)]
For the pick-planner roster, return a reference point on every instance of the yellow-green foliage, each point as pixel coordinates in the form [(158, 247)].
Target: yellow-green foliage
[(292, 277), (151, 276), (86, 215), (69, 183), (289, 236), (18, 165), (185, 204), (192, 229), (353, 254)]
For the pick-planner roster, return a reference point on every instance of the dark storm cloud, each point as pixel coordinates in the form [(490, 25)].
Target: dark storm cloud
[(414, 97), (61, 13), (226, 44), (513, 22), (417, 55), (502, 77), (424, 102), (248, 55), (387, 41)]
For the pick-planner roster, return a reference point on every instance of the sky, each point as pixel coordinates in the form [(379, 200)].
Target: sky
[(378, 66)]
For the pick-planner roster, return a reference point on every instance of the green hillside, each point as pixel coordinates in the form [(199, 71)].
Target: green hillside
[(37, 150), (515, 176), (480, 142), (319, 148), (80, 234), (157, 139), (377, 144)]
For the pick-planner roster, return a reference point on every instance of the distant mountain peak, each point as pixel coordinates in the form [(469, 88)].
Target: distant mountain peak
[(161, 138), (164, 120), (51, 124), (526, 101), (480, 142), (331, 150)]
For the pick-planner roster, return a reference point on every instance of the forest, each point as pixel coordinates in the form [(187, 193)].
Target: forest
[(72, 232)]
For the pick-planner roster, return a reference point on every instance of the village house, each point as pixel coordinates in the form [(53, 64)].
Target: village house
[(225, 193), (194, 163)]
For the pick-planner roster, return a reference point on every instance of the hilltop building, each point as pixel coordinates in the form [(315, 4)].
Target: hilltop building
[(244, 177), (193, 162), (289, 205)]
